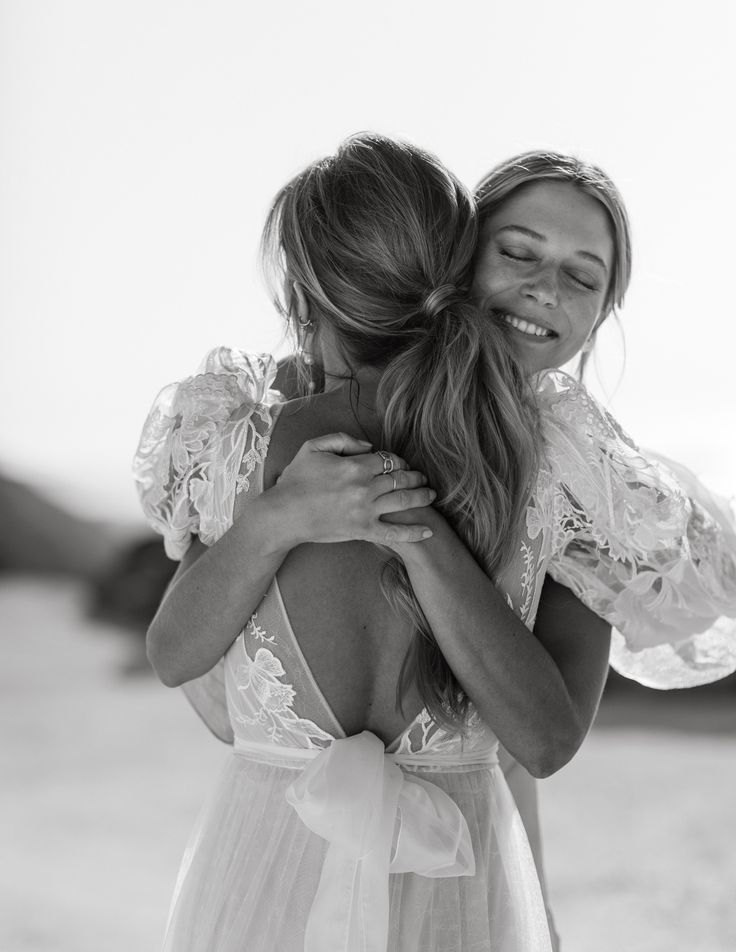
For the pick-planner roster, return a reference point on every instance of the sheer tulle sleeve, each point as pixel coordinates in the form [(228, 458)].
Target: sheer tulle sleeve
[(188, 462), (202, 442), (648, 549)]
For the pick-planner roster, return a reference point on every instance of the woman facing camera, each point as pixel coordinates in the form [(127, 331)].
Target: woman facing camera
[(553, 263)]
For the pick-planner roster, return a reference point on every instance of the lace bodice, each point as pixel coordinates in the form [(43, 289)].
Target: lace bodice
[(615, 527), (273, 698), (206, 441)]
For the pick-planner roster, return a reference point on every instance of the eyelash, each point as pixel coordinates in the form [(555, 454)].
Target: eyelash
[(588, 287)]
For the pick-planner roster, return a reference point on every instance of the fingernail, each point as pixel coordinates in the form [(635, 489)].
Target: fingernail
[(432, 494), (427, 534)]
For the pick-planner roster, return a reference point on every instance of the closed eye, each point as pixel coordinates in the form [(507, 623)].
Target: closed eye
[(584, 284), (507, 254), (514, 255)]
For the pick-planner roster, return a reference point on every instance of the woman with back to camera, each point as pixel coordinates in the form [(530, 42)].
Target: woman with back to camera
[(554, 250), (376, 244), (537, 693), (570, 206)]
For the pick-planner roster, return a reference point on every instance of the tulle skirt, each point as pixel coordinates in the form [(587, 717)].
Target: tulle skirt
[(251, 871)]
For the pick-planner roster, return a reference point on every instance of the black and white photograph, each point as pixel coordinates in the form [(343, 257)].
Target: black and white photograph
[(367, 476)]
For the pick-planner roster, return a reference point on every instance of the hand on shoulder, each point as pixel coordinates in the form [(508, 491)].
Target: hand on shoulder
[(336, 490)]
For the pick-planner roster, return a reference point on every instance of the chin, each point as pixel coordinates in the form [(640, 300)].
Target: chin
[(532, 363)]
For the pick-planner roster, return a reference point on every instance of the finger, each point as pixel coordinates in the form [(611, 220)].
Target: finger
[(391, 465), (394, 535), (341, 443), (404, 499), (399, 479)]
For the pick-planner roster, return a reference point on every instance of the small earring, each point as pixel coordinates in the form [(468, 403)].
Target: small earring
[(306, 355), (589, 344)]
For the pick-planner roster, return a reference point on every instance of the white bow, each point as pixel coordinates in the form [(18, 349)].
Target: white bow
[(377, 821)]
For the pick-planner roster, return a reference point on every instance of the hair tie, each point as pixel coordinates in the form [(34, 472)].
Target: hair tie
[(438, 299)]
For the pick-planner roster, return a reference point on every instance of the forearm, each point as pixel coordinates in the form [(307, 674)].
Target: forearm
[(208, 603), (510, 677), (319, 497)]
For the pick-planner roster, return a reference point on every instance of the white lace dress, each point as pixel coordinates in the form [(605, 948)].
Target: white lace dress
[(316, 841)]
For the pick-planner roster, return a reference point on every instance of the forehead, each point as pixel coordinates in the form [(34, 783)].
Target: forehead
[(560, 211)]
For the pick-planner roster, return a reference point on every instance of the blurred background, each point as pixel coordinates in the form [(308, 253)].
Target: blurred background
[(140, 144)]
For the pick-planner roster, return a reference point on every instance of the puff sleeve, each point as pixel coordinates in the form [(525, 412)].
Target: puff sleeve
[(199, 431), (645, 548)]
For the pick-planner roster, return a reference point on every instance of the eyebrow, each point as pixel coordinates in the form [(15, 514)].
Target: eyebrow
[(537, 237)]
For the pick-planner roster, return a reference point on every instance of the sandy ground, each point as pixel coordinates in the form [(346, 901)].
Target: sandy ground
[(102, 776)]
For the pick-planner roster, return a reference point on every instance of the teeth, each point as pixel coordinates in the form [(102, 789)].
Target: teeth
[(534, 330)]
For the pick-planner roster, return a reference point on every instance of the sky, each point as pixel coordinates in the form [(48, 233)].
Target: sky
[(141, 143)]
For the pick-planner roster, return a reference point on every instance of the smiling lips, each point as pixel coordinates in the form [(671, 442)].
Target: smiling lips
[(526, 327)]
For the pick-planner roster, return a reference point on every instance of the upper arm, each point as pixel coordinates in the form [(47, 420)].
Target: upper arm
[(195, 550), (579, 643)]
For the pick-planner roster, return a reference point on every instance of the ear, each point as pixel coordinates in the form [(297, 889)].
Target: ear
[(302, 305)]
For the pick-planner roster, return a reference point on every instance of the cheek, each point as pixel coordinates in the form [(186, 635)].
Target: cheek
[(585, 319), (490, 277)]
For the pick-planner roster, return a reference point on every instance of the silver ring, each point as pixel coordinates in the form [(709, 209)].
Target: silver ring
[(393, 480), (388, 461)]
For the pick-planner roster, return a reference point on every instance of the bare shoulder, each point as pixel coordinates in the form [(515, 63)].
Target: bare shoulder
[(305, 418), (287, 380)]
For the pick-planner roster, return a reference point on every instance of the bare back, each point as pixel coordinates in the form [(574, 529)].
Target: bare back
[(353, 640)]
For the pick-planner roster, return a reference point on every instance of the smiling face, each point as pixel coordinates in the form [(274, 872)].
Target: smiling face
[(543, 267)]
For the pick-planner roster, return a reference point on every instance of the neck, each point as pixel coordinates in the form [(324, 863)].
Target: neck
[(357, 391)]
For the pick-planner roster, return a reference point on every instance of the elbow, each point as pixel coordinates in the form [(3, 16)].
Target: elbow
[(170, 679), (557, 750), (544, 766), (548, 762)]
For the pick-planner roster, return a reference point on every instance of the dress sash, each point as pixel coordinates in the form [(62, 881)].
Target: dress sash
[(378, 819)]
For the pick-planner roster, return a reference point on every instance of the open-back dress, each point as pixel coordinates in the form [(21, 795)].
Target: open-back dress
[(313, 841)]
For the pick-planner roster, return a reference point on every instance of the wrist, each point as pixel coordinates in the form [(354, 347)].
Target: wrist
[(282, 521), (417, 555)]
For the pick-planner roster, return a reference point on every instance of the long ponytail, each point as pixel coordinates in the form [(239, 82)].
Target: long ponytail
[(456, 404), (380, 238)]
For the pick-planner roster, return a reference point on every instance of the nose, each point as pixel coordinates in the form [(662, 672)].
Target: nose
[(542, 288)]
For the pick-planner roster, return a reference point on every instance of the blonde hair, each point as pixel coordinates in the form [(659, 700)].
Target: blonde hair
[(495, 187), (381, 237)]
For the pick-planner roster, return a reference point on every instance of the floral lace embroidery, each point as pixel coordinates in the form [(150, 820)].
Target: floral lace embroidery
[(201, 405), (258, 443), (620, 532), (201, 441), (528, 578), (627, 540), (424, 735), (259, 634), (259, 680)]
